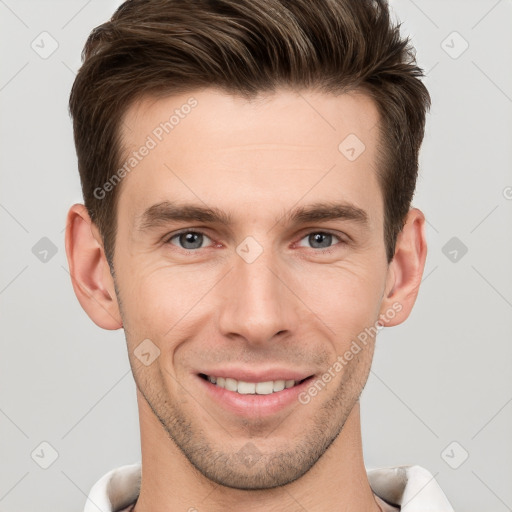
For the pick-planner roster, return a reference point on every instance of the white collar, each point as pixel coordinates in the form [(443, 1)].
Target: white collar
[(412, 488)]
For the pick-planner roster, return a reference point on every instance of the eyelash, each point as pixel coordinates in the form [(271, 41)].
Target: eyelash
[(326, 250)]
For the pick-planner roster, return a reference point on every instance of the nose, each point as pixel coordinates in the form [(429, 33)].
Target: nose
[(258, 304)]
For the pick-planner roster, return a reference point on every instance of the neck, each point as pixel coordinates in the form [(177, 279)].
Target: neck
[(337, 481)]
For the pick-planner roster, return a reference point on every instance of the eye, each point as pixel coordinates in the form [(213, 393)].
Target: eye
[(188, 240), (320, 239)]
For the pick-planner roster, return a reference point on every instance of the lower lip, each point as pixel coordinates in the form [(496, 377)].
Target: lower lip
[(254, 405)]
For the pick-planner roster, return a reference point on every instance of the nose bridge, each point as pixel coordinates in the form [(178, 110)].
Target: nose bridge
[(257, 304)]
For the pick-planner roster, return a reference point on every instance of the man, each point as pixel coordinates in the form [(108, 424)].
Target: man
[(247, 169)]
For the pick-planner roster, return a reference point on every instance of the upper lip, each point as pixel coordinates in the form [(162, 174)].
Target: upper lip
[(258, 376)]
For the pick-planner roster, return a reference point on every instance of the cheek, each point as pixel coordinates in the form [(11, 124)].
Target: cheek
[(162, 301), (349, 298)]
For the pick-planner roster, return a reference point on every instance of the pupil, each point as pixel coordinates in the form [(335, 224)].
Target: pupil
[(191, 238), (322, 239)]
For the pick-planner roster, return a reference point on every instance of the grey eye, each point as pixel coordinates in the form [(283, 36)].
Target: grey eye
[(189, 240), (320, 239)]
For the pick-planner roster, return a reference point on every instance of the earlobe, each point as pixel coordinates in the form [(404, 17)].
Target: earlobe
[(88, 267), (405, 270)]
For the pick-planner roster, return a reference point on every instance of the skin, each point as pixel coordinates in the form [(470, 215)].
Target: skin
[(295, 306)]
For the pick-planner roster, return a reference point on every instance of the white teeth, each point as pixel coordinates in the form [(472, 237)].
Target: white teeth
[(264, 388), (231, 384), (251, 388), (246, 388), (278, 385)]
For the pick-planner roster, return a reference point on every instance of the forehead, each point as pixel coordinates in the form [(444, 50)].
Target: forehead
[(212, 147)]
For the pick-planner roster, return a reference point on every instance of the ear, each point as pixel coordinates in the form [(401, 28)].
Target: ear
[(89, 270), (405, 271)]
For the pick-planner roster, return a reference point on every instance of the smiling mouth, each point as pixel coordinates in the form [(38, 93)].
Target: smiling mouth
[(252, 388)]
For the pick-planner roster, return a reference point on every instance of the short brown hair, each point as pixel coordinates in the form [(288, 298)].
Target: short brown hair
[(164, 47)]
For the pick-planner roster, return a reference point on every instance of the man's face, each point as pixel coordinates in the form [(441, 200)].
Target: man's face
[(261, 294)]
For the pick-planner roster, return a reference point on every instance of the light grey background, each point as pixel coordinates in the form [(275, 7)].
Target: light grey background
[(442, 377)]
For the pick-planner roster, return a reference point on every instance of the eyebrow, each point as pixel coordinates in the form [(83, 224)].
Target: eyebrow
[(164, 212)]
